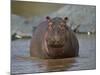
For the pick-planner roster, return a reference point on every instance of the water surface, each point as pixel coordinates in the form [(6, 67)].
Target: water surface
[(21, 62)]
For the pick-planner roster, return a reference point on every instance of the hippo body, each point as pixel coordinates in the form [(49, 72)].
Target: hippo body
[(54, 41)]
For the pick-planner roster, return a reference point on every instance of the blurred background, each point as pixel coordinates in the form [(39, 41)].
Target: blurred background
[(26, 16)]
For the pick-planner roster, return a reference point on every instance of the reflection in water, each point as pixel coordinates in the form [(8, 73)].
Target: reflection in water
[(49, 65), (59, 64)]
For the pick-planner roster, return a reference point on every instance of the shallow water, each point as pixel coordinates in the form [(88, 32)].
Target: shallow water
[(21, 62)]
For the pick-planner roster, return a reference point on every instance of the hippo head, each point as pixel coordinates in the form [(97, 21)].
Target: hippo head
[(56, 33)]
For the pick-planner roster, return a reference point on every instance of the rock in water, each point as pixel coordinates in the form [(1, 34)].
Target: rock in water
[(54, 39)]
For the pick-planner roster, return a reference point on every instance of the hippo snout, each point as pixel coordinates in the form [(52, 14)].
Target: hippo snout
[(55, 43)]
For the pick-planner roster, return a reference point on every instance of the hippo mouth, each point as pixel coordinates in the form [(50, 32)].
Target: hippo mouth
[(56, 46), (56, 51)]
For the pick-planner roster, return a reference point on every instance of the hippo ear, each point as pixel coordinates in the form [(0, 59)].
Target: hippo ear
[(66, 18), (48, 18)]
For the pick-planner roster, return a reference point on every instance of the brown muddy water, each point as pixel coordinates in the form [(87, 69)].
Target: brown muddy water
[(22, 63)]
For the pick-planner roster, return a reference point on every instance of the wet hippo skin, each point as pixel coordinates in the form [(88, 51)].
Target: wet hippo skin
[(54, 39)]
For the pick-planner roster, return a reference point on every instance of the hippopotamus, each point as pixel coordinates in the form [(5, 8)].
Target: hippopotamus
[(54, 39)]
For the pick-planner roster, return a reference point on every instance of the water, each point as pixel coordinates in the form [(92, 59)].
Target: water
[(21, 62)]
